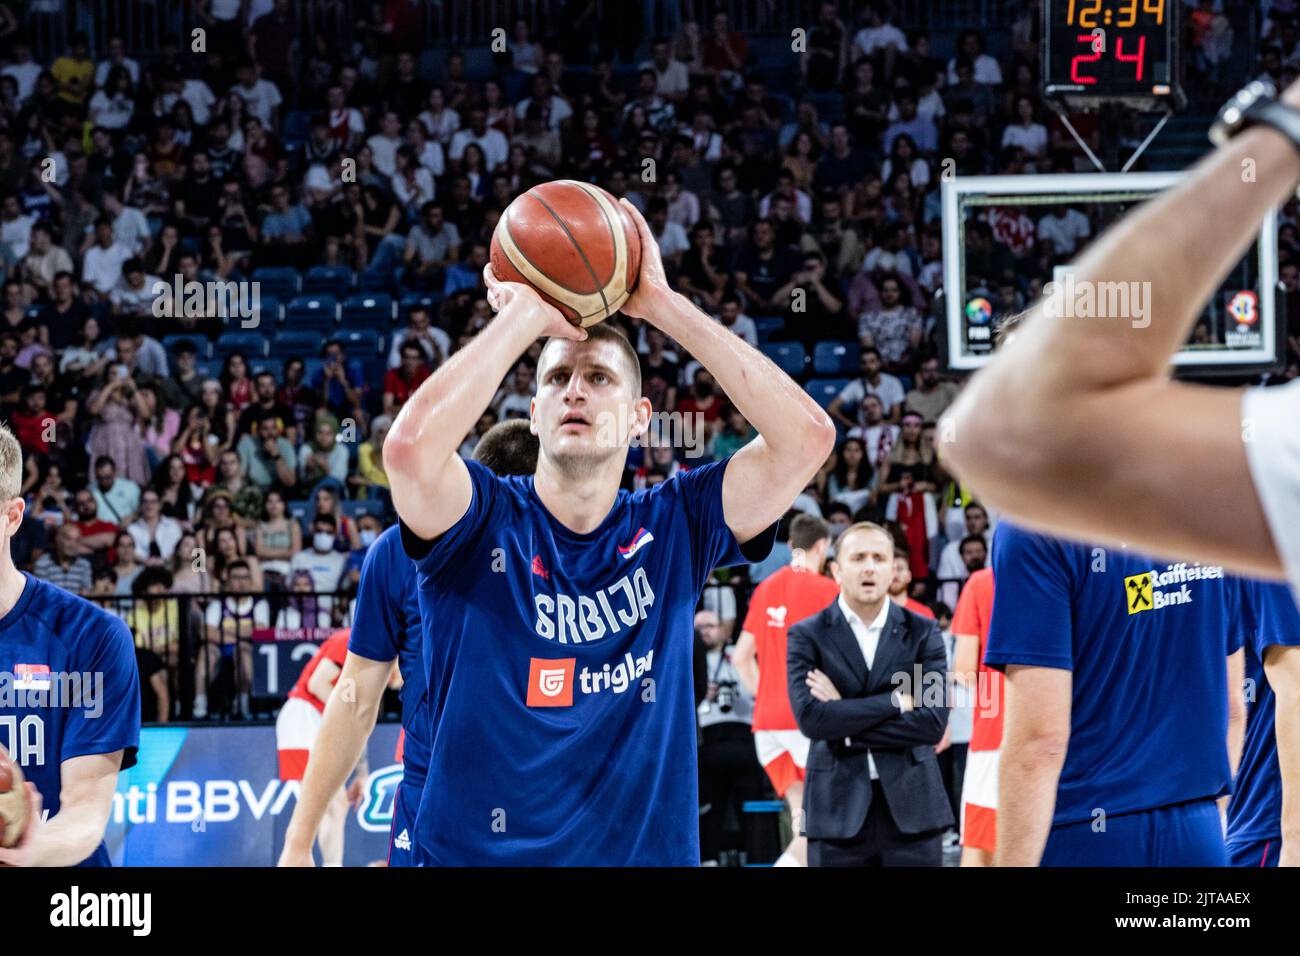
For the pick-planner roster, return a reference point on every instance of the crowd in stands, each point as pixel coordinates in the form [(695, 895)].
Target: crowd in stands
[(351, 194)]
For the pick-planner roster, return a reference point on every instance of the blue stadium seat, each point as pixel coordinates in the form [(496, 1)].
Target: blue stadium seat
[(312, 312), (302, 511), (361, 343), (767, 326), (364, 506), (280, 282), (836, 358), (297, 126), (252, 344), (789, 357), (824, 390), (268, 315), (328, 280), (310, 367), (430, 300), (273, 365), (208, 368), (372, 281), (289, 342), (203, 346), (373, 309)]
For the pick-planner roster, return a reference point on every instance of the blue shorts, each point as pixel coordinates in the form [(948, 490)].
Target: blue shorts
[(1185, 834), (401, 836), (1255, 852)]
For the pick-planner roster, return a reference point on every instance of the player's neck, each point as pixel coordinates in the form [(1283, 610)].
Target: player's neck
[(12, 583), (579, 503)]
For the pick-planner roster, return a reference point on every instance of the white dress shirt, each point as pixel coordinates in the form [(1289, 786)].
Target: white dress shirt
[(868, 637)]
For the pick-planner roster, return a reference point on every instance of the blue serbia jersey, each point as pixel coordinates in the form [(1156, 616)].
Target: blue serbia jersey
[(1255, 811), (69, 687), (386, 625), (559, 675), (1147, 643)]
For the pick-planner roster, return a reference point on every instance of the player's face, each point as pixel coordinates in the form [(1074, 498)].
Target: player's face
[(865, 560), (584, 411)]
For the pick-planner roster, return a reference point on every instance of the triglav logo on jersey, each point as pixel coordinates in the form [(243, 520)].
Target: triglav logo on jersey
[(551, 682), (1147, 591), (639, 541)]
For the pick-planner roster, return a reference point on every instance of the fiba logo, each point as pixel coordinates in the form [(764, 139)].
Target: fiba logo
[(550, 682)]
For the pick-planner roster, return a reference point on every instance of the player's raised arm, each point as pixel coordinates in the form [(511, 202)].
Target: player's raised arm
[(349, 719), (430, 484), (795, 434), (1076, 427)]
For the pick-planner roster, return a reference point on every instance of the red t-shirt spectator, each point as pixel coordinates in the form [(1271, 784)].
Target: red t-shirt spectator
[(30, 429), (401, 389)]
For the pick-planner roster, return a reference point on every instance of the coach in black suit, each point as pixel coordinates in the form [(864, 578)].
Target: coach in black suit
[(873, 795)]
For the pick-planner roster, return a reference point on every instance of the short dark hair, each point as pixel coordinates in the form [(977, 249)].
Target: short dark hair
[(508, 448), (973, 539), (150, 576), (806, 530), (103, 460)]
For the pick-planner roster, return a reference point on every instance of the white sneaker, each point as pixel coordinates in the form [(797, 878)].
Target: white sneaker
[(200, 706)]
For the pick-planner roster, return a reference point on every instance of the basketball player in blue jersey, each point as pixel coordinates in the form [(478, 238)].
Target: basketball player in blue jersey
[(558, 608), (1263, 827), (386, 628), (1119, 735), (69, 700)]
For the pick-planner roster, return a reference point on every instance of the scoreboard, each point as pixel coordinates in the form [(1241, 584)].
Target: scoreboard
[(1125, 51)]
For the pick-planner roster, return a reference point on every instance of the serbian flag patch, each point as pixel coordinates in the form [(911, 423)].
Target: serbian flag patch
[(32, 676)]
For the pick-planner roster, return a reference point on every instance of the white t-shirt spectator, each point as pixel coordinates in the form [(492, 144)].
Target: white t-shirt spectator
[(325, 569), (951, 566), (441, 127), (25, 75), (513, 405), (1032, 138), (673, 240), (878, 439), (802, 205), (413, 196), (201, 100), (384, 149), (870, 39), (167, 534), (117, 504), (111, 112), (744, 327), (557, 109), (1064, 232), (260, 99), (495, 146), (131, 230), (438, 335), (889, 391), (102, 268), (134, 301), (17, 235), (672, 81), (987, 71), (105, 66), (432, 158)]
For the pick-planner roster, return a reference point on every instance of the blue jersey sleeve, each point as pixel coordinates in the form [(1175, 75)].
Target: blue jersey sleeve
[(713, 544), (434, 558), (1031, 622), (1275, 619), (109, 719), (379, 622)]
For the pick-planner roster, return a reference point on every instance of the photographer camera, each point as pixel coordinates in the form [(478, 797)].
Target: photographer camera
[(729, 771)]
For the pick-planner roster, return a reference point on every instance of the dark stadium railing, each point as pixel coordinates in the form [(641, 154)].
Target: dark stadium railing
[(259, 648)]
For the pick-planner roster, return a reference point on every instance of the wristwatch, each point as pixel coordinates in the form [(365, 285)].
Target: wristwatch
[(1256, 105)]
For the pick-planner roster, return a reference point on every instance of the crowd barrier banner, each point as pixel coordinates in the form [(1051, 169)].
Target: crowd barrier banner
[(212, 796)]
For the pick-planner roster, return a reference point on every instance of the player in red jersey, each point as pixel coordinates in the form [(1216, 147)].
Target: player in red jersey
[(295, 732), (979, 794), (797, 591), (902, 580)]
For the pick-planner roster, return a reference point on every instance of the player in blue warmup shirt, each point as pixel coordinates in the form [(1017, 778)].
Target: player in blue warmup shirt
[(558, 608), (69, 700), (386, 628), (1120, 671), (1257, 834)]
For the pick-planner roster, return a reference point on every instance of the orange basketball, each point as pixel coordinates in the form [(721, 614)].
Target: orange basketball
[(13, 801), (572, 242)]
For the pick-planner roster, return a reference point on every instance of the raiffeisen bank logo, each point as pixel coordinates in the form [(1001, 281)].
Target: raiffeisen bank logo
[(1153, 590)]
